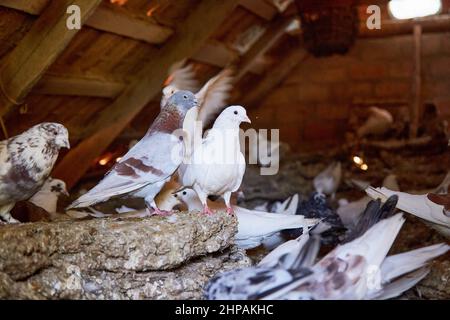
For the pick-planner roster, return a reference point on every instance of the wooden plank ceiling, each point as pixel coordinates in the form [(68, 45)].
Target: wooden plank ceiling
[(103, 82)]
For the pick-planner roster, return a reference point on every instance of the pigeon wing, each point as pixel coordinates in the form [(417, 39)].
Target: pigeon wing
[(151, 160), (213, 96)]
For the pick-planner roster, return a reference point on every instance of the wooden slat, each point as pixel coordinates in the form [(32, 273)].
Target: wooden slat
[(110, 18), (216, 54), (273, 77), (260, 8), (34, 7), (272, 34), (189, 38), (40, 47), (78, 86), (114, 19), (438, 23)]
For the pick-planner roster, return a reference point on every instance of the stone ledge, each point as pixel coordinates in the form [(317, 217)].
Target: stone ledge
[(133, 258)]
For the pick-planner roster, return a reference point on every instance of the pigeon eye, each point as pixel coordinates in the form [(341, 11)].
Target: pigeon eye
[(235, 112), (185, 97), (184, 193), (175, 195)]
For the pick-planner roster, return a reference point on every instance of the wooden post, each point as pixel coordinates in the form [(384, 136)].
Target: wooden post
[(190, 36), (40, 47), (417, 83)]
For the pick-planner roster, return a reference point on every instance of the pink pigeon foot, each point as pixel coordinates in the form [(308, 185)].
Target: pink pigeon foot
[(230, 211), (162, 212), (207, 210)]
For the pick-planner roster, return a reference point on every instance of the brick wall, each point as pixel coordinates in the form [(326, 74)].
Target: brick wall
[(313, 105)]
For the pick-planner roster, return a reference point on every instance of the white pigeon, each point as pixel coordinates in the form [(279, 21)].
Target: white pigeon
[(26, 162), (254, 227), (378, 122), (356, 270), (288, 206), (327, 181), (47, 197), (146, 167), (217, 165), (350, 212), (431, 207)]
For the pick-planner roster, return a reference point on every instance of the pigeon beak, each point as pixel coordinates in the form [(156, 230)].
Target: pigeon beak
[(66, 193), (246, 119)]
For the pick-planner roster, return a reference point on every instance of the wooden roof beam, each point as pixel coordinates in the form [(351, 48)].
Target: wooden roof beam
[(260, 7), (389, 28), (108, 17), (190, 36), (273, 33), (71, 85), (274, 77), (40, 47)]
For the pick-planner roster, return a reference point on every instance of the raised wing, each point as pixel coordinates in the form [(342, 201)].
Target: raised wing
[(213, 96), (180, 77)]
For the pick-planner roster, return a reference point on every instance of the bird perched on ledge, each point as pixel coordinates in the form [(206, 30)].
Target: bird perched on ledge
[(26, 162), (217, 165), (254, 227), (146, 167)]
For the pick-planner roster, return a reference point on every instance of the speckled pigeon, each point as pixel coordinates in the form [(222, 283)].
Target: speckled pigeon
[(26, 161), (144, 170)]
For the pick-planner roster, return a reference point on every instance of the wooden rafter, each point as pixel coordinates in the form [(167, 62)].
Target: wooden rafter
[(189, 38), (71, 85), (272, 34), (29, 60), (274, 77), (260, 8), (438, 23), (107, 17)]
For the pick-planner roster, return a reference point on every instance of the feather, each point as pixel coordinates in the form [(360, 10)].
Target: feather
[(214, 95)]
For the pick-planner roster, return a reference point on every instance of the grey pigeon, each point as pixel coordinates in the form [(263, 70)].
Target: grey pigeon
[(146, 167), (26, 161)]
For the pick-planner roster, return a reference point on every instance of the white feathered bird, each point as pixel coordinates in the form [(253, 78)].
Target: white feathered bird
[(328, 180), (217, 165), (431, 207), (350, 212), (378, 122), (356, 270), (47, 197), (254, 227), (26, 162)]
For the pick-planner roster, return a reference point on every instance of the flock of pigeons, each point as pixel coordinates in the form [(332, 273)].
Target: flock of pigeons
[(164, 169)]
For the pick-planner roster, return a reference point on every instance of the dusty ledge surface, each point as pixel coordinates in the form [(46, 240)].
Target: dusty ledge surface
[(149, 258)]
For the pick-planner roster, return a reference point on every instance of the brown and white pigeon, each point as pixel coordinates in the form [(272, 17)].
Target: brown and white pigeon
[(432, 207), (146, 167), (26, 161)]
